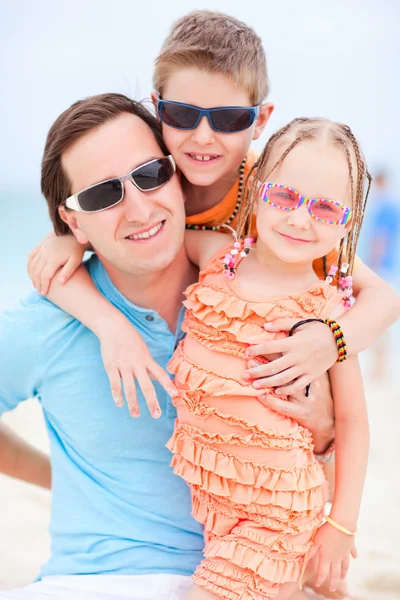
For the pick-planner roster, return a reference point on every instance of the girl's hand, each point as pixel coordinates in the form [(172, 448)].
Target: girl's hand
[(309, 353), (49, 256), (126, 358), (332, 550)]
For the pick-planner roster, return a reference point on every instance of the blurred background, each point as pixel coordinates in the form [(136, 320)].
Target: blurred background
[(338, 59)]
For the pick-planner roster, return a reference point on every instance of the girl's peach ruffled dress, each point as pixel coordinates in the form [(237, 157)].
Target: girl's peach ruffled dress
[(255, 483)]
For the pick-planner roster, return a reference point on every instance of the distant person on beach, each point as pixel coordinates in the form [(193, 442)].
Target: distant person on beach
[(382, 237)]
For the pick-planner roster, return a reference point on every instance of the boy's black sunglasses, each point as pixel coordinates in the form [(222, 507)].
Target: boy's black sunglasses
[(227, 119)]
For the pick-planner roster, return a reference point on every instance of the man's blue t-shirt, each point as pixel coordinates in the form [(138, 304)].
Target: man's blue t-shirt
[(117, 507)]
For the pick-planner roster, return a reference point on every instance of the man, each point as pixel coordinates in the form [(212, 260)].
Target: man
[(121, 524)]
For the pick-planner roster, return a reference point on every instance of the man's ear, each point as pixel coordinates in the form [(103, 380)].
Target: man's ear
[(262, 119), (69, 217)]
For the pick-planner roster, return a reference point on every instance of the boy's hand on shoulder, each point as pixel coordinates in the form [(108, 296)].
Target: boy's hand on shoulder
[(54, 253), (126, 358)]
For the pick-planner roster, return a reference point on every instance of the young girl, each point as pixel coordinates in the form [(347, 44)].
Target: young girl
[(255, 483)]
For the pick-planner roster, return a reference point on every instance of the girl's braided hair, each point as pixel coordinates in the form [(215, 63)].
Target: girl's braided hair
[(299, 130)]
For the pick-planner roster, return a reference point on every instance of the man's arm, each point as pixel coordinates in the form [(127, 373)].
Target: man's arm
[(20, 377), (20, 460)]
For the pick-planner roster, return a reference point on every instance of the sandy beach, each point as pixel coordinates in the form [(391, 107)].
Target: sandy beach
[(375, 575)]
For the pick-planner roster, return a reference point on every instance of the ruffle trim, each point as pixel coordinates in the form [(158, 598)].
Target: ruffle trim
[(246, 494), (199, 457), (224, 301), (192, 402), (220, 518), (233, 583), (274, 569), (217, 341), (271, 440), (197, 378)]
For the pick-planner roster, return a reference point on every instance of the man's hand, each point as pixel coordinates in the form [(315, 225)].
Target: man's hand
[(315, 412), (302, 358)]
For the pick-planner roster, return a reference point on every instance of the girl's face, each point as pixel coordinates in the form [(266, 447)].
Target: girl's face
[(203, 155), (316, 170)]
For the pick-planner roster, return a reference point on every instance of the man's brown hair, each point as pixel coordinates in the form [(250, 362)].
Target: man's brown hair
[(218, 43), (80, 118)]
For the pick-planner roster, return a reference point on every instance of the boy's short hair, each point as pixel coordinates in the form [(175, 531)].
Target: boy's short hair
[(79, 119), (217, 43)]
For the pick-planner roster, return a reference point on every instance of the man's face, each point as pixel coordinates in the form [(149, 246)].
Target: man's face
[(113, 150)]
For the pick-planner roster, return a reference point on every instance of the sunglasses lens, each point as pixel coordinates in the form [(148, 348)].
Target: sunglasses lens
[(101, 196), (231, 120), (326, 211), (154, 174), (284, 198), (181, 117)]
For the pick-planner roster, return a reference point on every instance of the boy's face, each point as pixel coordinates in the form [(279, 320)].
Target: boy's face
[(224, 151)]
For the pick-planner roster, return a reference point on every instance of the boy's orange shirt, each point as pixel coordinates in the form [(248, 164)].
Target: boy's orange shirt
[(221, 212)]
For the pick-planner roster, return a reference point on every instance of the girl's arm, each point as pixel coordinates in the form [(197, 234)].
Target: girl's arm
[(352, 443), (376, 308), (125, 355), (202, 245)]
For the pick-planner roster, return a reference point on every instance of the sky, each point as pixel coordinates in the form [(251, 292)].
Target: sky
[(335, 59)]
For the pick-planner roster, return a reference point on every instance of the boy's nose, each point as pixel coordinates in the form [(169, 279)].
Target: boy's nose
[(203, 134)]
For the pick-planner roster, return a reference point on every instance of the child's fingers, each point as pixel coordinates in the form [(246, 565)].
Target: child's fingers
[(323, 570), (33, 271), (115, 384), (335, 575), (345, 567), (285, 378), (32, 254), (48, 272), (68, 269), (40, 265), (148, 392), (295, 387), (269, 371), (160, 375), (130, 391), (354, 552)]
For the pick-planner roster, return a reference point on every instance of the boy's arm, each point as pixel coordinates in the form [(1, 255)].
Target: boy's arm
[(20, 460), (376, 308), (124, 353)]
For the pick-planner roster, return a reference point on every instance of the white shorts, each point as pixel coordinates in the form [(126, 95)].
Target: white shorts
[(104, 587)]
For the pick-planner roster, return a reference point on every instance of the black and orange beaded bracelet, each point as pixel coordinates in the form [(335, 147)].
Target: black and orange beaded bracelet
[(339, 339)]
